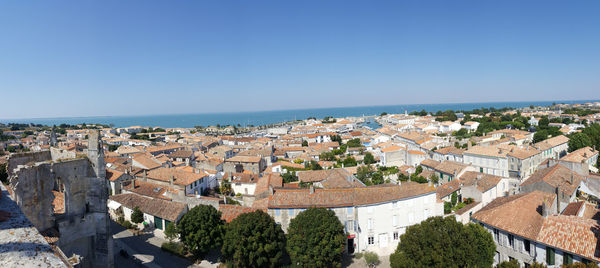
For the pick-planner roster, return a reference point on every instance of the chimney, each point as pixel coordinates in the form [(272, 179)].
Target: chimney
[(572, 179), (545, 209), (312, 189), (133, 184), (557, 200), (171, 180)]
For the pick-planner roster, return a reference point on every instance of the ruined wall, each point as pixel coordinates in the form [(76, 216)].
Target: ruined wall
[(84, 227), (33, 186)]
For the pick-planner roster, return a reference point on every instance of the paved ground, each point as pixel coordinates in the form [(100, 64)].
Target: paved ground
[(360, 263), (143, 247)]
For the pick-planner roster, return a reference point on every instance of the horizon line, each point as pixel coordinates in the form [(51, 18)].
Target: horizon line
[(281, 110)]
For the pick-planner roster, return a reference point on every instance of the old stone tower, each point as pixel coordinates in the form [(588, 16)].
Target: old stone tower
[(64, 195)]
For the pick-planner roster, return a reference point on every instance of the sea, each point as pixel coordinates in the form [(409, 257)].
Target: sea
[(270, 117)]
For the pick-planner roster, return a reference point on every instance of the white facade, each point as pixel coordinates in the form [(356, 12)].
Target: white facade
[(381, 225), (488, 164)]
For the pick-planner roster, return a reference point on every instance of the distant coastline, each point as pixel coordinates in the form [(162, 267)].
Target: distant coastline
[(272, 117)]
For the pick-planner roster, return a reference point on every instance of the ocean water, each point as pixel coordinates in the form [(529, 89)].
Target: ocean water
[(269, 117)]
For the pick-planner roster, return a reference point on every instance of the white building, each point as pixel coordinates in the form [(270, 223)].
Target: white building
[(374, 217), (488, 159)]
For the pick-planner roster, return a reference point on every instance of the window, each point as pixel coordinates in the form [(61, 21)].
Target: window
[(567, 258), (496, 235), (527, 246), (349, 211), (396, 236), (290, 212), (511, 241), (395, 220), (349, 225), (371, 240), (277, 212), (370, 224), (549, 256)]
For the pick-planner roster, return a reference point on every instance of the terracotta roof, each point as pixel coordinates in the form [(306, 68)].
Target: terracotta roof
[(572, 209), (147, 189), (346, 197), (392, 148), (113, 175), (450, 167), (519, 214), (447, 188), (482, 181), (329, 178), (430, 163), (450, 150), (551, 142), (492, 151), (147, 161), (580, 155), (572, 234), (244, 159), (168, 210), (181, 154), (230, 212), (180, 177), (556, 176)]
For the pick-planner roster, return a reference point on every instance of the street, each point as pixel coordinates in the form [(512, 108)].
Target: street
[(143, 247)]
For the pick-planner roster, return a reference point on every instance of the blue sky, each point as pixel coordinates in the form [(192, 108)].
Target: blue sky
[(84, 58)]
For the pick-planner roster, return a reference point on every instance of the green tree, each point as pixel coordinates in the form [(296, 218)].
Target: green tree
[(377, 178), (316, 238), (371, 258), (353, 143), (509, 264), (304, 143), (349, 162), (418, 170), (336, 138), (578, 141), (171, 232), (137, 216), (434, 178), (454, 199), (540, 135), (369, 159), (253, 240), (201, 229), (543, 123), (438, 241)]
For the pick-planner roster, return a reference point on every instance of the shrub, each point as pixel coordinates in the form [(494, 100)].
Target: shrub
[(371, 258), (174, 248)]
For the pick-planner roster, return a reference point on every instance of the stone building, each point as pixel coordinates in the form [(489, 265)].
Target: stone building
[(66, 196)]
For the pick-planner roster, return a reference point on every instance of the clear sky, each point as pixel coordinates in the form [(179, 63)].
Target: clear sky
[(84, 58)]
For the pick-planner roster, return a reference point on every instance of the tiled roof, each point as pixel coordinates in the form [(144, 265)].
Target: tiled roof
[(244, 159), (329, 178), (580, 155), (447, 188), (519, 214), (572, 234), (230, 212), (556, 176), (180, 177), (450, 150), (450, 167), (168, 210), (346, 197), (483, 181), (487, 151), (147, 161), (113, 175), (181, 154), (551, 142), (572, 209)]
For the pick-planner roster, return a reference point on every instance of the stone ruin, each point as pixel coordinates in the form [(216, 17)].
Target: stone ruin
[(64, 195)]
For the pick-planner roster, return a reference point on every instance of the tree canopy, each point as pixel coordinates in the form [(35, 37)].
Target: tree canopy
[(368, 159), (201, 229), (579, 140), (438, 241), (316, 238), (137, 216), (253, 240)]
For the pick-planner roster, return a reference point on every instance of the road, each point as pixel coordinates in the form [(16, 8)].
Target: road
[(144, 247)]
